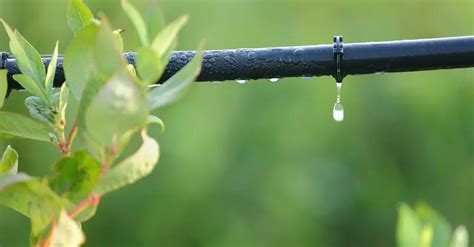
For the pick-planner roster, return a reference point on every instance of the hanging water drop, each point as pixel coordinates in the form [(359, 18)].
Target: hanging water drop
[(273, 80), (338, 110), (240, 81)]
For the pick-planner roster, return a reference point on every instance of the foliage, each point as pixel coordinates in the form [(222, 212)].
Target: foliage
[(424, 227), (115, 104)]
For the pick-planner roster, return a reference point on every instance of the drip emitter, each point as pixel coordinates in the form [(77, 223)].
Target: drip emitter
[(338, 51)]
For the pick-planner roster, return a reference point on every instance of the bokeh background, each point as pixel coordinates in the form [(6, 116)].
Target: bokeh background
[(264, 164)]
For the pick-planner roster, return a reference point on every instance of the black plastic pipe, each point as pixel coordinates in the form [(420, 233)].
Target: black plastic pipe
[(319, 60)]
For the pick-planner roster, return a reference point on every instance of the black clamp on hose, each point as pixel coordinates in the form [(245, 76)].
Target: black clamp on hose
[(338, 51)]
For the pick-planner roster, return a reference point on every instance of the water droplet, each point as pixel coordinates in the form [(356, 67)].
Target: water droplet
[(273, 80), (240, 81), (338, 110), (299, 52), (229, 59), (251, 55)]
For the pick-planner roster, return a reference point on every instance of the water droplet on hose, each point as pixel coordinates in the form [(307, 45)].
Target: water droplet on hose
[(251, 55), (241, 81), (273, 80), (299, 52)]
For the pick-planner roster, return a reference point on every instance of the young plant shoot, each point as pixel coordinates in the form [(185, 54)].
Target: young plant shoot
[(113, 104)]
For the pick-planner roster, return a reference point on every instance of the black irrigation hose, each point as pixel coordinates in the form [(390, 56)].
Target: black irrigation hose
[(299, 61)]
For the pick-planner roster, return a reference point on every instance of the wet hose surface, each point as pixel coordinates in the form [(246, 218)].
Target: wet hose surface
[(299, 61)]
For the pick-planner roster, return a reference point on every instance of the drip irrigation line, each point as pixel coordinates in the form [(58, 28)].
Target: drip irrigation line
[(337, 59)]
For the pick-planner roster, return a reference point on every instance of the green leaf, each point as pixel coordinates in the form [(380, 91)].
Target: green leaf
[(92, 146), (164, 40), (92, 58), (9, 161), (32, 198), (16, 125), (67, 232), (108, 61), (131, 169), (78, 15), (118, 107), (108, 58), (426, 238), (460, 237), (27, 57), (31, 86), (149, 66), (441, 228), (8, 29), (174, 87), (63, 99), (154, 18), (137, 21), (79, 60), (125, 138), (48, 84), (76, 175), (409, 227), (118, 36), (40, 110), (156, 120), (3, 86), (165, 58)]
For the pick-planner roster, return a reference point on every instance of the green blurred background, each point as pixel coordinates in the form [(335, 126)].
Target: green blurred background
[(264, 164)]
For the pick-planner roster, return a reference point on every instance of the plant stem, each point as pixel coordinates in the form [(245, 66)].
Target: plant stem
[(47, 241), (92, 200), (63, 148), (108, 159), (65, 144), (71, 136)]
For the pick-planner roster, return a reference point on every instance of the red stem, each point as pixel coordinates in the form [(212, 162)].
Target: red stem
[(92, 200), (71, 135), (46, 242)]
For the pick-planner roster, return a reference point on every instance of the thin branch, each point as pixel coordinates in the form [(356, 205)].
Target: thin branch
[(71, 136), (92, 200)]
